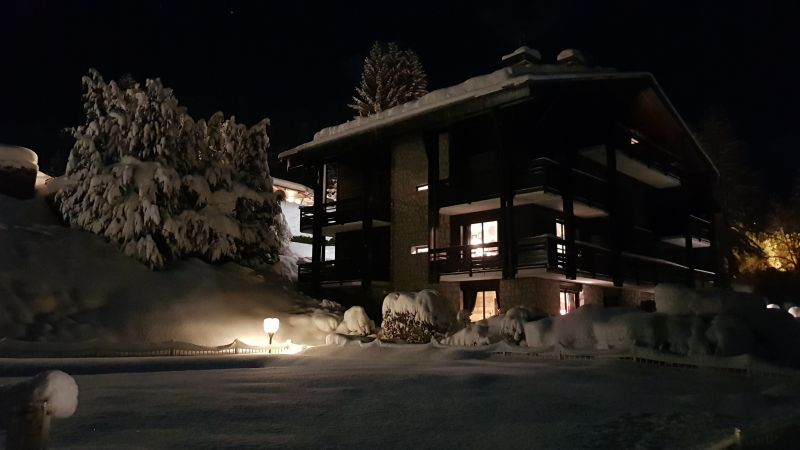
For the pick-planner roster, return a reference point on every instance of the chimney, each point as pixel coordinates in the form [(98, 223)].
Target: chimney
[(523, 56), (571, 57)]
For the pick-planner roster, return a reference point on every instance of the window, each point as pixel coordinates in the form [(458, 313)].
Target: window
[(483, 233), (561, 234), (485, 306), (418, 249), (422, 187), (569, 300)]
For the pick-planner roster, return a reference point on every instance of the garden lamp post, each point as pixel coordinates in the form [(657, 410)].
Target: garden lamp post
[(271, 325)]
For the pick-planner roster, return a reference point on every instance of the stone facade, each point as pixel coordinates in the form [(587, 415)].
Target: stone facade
[(409, 272)]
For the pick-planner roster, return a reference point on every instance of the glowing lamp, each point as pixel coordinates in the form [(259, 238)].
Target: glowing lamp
[(563, 312), (271, 325)]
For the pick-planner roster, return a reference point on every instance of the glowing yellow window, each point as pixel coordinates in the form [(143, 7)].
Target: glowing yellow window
[(485, 306), (483, 233)]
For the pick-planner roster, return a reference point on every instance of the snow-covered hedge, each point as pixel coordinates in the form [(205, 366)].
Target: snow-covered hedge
[(356, 322), (163, 186), (415, 317)]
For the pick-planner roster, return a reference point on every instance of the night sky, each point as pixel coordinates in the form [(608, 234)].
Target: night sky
[(298, 62)]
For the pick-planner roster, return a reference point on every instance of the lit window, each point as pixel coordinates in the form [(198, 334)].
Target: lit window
[(561, 234), (417, 249), (568, 301), (634, 141), (483, 233), (485, 306), (422, 187)]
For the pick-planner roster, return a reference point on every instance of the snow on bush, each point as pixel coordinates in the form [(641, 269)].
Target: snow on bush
[(473, 335), (730, 336), (512, 326), (162, 186), (676, 299), (539, 333), (774, 306), (356, 322), (794, 311), (415, 317)]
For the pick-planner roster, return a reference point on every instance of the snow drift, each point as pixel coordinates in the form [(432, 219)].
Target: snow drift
[(63, 284)]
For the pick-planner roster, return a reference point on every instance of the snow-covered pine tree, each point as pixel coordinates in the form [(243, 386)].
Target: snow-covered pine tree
[(391, 76), (161, 186)]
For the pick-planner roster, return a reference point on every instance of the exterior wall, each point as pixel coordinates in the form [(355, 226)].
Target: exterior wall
[(409, 214), (409, 209), (625, 297), (535, 293), (592, 295)]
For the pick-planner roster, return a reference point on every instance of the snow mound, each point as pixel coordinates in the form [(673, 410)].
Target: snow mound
[(679, 300), (539, 333), (356, 322), (427, 306), (415, 317), (18, 158), (773, 306), (92, 291), (794, 311), (59, 390), (473, 335), (512, 325)]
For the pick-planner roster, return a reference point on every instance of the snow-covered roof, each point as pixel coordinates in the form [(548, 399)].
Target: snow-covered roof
[(514, 78), (505, 79), (18, 157)]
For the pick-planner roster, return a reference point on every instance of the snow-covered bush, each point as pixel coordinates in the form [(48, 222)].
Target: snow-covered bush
[(539, 333), (162, 186), (512, 327), (730, 336), (473, 335), (794, 311), (415, 317), (356, 322)]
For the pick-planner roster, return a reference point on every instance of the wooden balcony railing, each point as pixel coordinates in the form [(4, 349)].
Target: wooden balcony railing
[(342, 271), (343, 211), (466, 259), (550, 253)]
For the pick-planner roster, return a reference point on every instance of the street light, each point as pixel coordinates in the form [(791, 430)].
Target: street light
[(271, 325)]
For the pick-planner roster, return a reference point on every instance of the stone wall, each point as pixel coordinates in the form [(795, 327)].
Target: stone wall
[(535, 293)]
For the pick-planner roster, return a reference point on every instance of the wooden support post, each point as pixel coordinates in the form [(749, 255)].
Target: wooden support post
[(366, 229), (612, 205), (687, 237), (505, 172), (431, 141), (567, 177), (318, 240)]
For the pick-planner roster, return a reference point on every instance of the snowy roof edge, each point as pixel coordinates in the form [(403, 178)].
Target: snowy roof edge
[(449, 96), (441, 98)]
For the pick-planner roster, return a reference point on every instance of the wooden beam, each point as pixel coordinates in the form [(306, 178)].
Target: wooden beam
[(612, 206), (431, 142), (318, 240)]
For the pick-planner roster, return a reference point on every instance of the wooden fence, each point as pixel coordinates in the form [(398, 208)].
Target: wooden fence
[(93, 349)]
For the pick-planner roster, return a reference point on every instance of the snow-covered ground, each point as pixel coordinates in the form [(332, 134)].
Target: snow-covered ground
[(407, 397), (63, 284)]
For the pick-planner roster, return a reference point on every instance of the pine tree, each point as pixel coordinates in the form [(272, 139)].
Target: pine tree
[(161, 186), (391, 76)]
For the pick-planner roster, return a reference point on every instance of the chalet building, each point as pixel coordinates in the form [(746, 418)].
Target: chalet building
[(545, 185)]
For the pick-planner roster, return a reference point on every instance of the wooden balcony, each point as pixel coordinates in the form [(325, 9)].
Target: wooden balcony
[(467, 259), (342, 272), (540, 181), (547, 254), (345, 215)]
